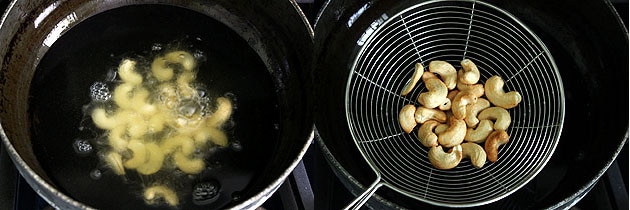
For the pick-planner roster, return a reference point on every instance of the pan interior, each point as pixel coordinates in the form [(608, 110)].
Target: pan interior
[(86, 53), (452, 30)]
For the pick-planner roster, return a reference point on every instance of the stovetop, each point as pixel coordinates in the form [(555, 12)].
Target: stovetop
[(313, 184)]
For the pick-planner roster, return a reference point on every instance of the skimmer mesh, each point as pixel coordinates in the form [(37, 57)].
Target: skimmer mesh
[(452, 30)]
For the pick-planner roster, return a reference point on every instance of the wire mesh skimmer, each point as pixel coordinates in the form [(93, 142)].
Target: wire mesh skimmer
[(451, 30)]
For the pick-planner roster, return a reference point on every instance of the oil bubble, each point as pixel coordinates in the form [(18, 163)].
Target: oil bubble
[(206, 192), (100, 92), (82, 147), (156, 47), (236, 146), (236, 196), (96, 174), (276, 126)]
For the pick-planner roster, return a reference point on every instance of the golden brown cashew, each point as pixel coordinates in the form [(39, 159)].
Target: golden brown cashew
[(495, 139), (479, 134), (500, 116), (473, 110), (406, 118), (496, 95), (428, 75), (423, 114), (469, 73), (426, 135), (443, 160), (475, 152), (440, 128), (417, 74), (454, 134), (436, 94), (461, 101), (446, 105), (476, 89), (446, 71)]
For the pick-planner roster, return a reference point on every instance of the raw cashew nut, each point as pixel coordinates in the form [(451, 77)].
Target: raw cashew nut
[(475, 152), (446, 71), (426, 135), (417, 74), (443, 160), (496, 95), (473, 110), (406, 118), (461, 101), (500, 116), (495, 139), (454, 134), (152, 194), (479, 134), (476, 89), (423, 114), (436, 94), (469, 73)]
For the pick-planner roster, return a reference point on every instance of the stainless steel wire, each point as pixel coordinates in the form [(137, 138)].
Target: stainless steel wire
[(452, 30)]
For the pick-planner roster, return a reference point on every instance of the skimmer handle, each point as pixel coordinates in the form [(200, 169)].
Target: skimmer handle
[(365, 196)]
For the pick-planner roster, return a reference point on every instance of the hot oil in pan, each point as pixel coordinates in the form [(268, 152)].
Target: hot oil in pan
[(68, 144)]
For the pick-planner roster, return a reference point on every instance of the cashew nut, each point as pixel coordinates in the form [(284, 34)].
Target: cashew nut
[(440, 128), (475, 152), (495, 139), (496, 95), (423, 114), (153, 193), (123, 93), (426, 135), (479, 134), (181, 57), (500, 116), (428, 75), (443, 160), (476, 89), (417, 74), (215, 135), (154, 161), (469, 73), (116, 138), (188, 165), (436, 94), (451, 94), (407, 118), (160, 70), (454, 134), (102, 121), (127, 72), (446, 71), (462, 99), (139, 154), (222, 114), (473, 110)]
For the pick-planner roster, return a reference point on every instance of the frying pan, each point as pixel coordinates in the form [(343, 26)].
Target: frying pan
[(585, 61), (52, 51)]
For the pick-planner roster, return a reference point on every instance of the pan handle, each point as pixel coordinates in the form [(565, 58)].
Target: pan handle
[(365, 196)]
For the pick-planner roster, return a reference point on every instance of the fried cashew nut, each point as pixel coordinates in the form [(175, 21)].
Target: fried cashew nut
[(139, 154), (498, 97), (406, 118), (423, 114), (479, 134), (461, 101), (500, 116), (454, 134), (476, 89), (436, 94), (153, 194), (127, 72), (473, 110), (154, 162), (222, 114), (475, 153), (188, 165), (417, 74), (444, 160), (102, 120), (495, 139), (426, 135), (469, 73), (446, 71)]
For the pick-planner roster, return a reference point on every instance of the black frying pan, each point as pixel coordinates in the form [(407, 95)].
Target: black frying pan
[(590, 47), (257, 52)]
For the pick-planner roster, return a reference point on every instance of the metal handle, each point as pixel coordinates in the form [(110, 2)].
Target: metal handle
[(365, 196)]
